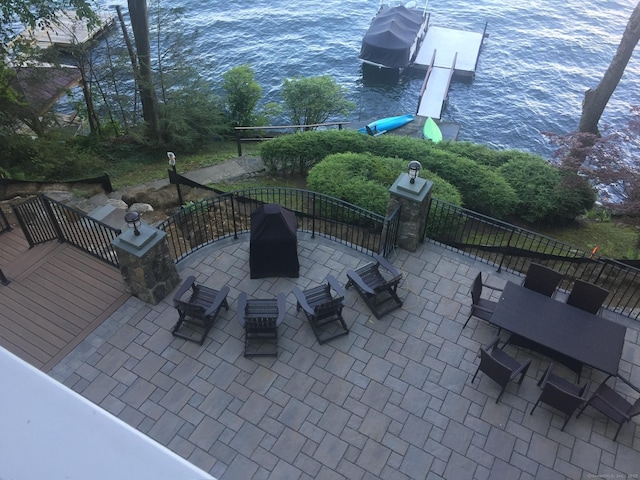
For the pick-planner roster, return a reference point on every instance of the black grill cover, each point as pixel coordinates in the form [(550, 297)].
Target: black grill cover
[(273, 250), (390, 37)]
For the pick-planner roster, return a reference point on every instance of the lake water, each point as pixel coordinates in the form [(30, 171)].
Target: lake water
[(534, 67)]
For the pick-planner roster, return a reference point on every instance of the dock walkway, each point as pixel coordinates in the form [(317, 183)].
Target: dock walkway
[(445, 53), (66, 30)]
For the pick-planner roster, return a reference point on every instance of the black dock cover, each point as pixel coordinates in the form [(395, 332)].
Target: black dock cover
[(390, 37), (273, 250)]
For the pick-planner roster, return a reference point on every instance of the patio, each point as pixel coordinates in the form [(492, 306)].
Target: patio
[(392, 399)]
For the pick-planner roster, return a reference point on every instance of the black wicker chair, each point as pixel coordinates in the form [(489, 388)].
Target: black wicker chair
[(587, 296), (323, 310), (500, 367), (561, 394), (613, 404), (379, 291), (481, 307), (199, 311), (542, 279)]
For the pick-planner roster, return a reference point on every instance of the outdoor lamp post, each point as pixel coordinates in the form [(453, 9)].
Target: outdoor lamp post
[(414, 168), (172, 162), (133, 221)]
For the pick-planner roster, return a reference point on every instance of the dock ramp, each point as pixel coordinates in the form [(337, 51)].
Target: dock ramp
[(435, 88)]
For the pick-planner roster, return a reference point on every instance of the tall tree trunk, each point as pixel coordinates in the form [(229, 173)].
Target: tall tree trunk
[(140, 25), (595, 100)]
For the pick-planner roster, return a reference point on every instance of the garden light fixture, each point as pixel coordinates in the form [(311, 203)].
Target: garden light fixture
[(414, 168), (133, 221)]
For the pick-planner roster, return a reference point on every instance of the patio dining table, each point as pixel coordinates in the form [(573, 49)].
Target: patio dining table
[(567, 330)]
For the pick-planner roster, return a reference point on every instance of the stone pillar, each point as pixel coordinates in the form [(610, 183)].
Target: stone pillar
[(415, 199), (145, 263)]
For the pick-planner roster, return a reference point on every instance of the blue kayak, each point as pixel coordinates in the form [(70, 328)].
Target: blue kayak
[(384, 125)]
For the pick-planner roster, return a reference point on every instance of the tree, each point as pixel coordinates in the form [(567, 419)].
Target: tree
[(606, 161), (140, 24), (313, 100), (242, 95), (13, 54), (595, 100)]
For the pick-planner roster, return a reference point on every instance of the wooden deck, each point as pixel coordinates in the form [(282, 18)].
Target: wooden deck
[(57, 295)]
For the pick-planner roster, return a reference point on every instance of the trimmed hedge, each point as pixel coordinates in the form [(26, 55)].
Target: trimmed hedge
[(498, 183), (482, 189), (364, 179)]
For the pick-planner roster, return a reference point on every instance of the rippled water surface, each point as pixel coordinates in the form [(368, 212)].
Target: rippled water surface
[(534, 67)]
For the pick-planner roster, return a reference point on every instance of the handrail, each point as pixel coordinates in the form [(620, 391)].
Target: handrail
[(239, 139), (512, 248), (227, 215), (426, 78), (44, 219), (275, 127)]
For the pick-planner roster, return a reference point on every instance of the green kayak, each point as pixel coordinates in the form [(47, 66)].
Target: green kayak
[(431, 130)]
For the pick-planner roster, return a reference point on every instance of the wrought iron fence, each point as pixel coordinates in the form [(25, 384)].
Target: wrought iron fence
[(228, 215), (513, 248), (43, 219)]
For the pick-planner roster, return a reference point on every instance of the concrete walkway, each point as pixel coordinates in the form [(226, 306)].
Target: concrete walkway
[(391, 400)]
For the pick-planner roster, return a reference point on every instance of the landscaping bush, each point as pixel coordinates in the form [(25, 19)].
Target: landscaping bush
[(298, 152), (495, 183), (545, 195), (534, 180), (41, 159), (364, 180), (485, 155)]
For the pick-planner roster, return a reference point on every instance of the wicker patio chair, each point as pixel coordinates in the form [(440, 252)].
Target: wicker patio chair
[(561, 394), (500, 367)]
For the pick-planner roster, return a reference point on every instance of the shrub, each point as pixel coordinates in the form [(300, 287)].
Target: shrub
[(301, 151), (314, 100), (545, 195), (242, 94), (39, 159), (364, 180), (534, 181), (485, 155), (573, 196), (500, 184)]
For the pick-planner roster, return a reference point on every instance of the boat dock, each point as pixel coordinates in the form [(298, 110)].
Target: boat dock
[(66, 31), (445, 53)]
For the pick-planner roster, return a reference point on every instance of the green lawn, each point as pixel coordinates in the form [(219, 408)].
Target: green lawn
[(613, 239), (137, 168)]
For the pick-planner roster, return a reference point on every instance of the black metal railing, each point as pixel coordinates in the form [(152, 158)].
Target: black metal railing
[(43, 219), (5, 226), (228, 215), (266, 132), (512, 248)]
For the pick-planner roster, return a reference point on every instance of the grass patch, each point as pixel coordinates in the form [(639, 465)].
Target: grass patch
[(260, 181), (613, 239), (134, 167)]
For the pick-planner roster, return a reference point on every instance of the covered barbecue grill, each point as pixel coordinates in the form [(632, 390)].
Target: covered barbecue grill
[(274, 243)]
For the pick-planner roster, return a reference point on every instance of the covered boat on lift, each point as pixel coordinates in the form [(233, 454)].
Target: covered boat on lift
[(393, 37)]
